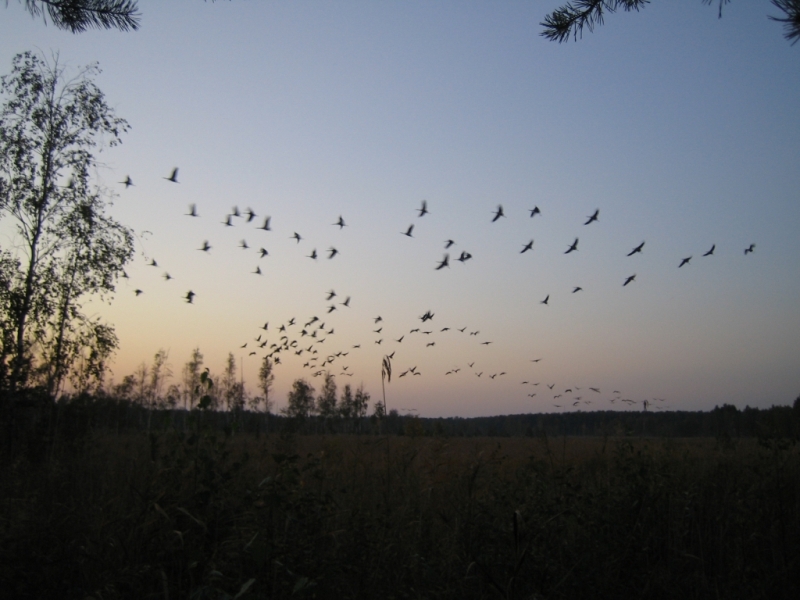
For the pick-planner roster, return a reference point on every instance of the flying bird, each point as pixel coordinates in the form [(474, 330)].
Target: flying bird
[(448, 243), (250, 214), (227, 221), (192, 211), (573, 247), (408, 231), (629, 279), (593, 217), (577, 289), (153, 262), (332, 252), (545, 301), (128, 182), (710, 252), (313, 254), (173, 177), (257, 271), (265, 226), (685, 261), (137, 292), (528, 246), (297, 237), (263, 252), (424, 209), (535, 211), (637, 249), (243, 245), (445, 262), (167, 276), (206, 246), (498, 213), (346, 302), (340, 222), (189, 296), (749, 249), (465, 256)]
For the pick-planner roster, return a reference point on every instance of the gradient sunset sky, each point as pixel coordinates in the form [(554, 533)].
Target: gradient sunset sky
[(681, 128)]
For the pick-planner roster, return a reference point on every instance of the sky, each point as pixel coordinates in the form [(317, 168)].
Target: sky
[(681, 128)]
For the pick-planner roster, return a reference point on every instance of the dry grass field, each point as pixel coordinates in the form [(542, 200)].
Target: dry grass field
[(208, 516)]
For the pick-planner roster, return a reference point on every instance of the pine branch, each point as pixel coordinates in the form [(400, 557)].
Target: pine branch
[(80, 15), (791, 22), (569, 20)]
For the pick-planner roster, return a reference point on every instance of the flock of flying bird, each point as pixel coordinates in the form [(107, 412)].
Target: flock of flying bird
[(303, 339)]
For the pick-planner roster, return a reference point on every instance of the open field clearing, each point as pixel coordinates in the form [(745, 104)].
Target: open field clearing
[(208, 516)]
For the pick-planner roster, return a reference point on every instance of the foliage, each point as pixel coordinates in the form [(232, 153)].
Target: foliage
[(301, 401), (265, 380), (66, 247), (569, 20), (79, 15), (326, 401)]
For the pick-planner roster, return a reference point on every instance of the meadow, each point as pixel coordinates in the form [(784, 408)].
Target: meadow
[(204, 514)]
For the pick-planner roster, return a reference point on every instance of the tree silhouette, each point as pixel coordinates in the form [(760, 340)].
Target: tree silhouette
[(65, 248), (569, 20)]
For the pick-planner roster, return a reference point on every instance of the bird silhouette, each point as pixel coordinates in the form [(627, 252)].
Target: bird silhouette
[(167, 276), (227, 222), (128, 182), (173, 177), (710, 252), (535, 211), (400, 339), (573, 247), (263, 252), (235, 212), (243, 245), (313, 254), (749, 249), (685, 261), (408, 231), (637, 249), (629, 279), (331, 295), (257, 271), (448, 243), (192, 211), (206, 246), (153, 262), (378, 319), (265, 226), (593, 217), (445, 262), (465, 256), (332, 252), (346, 302), (137, 292), (250, 214), (424, 209), (498, 213), (340, 222), (528, 246), (577, 289), (190, 296), (546, 300)]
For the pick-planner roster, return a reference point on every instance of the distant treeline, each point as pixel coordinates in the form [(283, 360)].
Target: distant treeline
[(35, 418)]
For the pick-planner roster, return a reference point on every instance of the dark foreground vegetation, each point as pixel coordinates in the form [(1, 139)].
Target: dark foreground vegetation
[(182, 505)]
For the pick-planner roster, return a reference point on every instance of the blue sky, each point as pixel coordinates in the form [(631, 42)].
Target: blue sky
[(681, 128)]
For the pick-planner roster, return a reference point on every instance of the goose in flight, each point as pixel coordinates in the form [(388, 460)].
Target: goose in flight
[(593, 217), (637, 249), (340, 222), (629, 279), (408, 231), (685, 261), (535, 211), (192, 211), (313, 254), (206, 246), (153, 262), (573, 247), (710, 252), (577, 289), (243, 245), (749, 249), (332, 252), (498, 213), (424, 209), (265, 226), (189, 296), (331, 295), (296, 236), (227, 221), (257, 271), (528, 246), (250, 214), (263, 252), (546, 300), (465, 256), (445, 262), (448, 243), (173, 177)]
